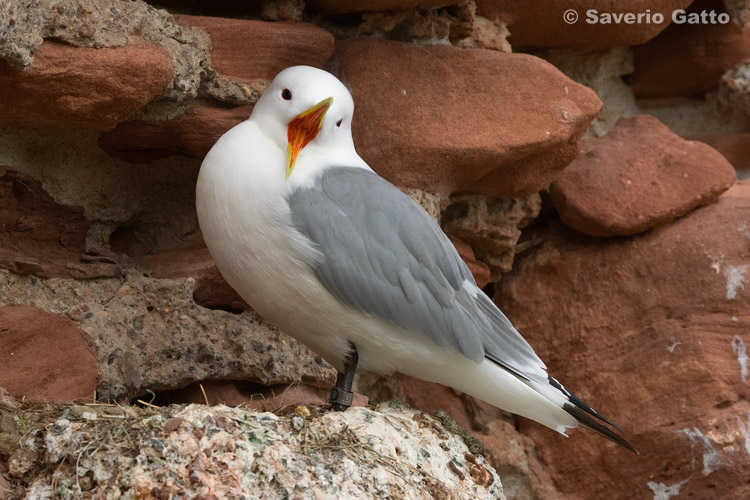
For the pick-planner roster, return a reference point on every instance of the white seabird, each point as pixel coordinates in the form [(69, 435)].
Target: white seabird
[(320, 245)]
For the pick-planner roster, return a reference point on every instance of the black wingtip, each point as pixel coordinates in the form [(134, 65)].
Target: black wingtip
[(587, 421), (580, 403)]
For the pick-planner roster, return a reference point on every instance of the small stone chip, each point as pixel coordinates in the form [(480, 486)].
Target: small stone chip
[(422, 420), (173, 424), (298, 422), (454, 469), (480, 474)]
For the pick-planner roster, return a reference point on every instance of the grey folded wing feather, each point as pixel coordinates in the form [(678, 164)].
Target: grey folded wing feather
[(383, 255)]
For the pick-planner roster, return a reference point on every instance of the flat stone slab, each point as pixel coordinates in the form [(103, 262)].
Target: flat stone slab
[(636, 177)]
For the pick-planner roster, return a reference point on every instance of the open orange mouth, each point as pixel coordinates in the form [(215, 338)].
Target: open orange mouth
[(303, 129)]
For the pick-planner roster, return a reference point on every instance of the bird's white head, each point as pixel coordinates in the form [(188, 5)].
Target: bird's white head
[(306, 105)]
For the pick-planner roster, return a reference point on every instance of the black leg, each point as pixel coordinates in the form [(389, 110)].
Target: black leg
[(341, 395)]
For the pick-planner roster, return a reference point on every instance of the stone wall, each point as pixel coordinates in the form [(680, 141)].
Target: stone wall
[(585, 172)]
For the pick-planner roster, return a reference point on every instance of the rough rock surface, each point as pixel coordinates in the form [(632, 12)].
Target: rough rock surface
[(653, 331), (389, 451), (41, 237), (211, 289), (275, 46), (105, 23), (203, 344), (497, 136), (524, 476), (191, 134), (734, 147), (735, 87), (492, 226), (638, 176), (514, 457), (687, 59), (44, 356), (739, 10), (127, 324), (431, 24), (543, 25), (602, 71), (336, 7), (70, 87)]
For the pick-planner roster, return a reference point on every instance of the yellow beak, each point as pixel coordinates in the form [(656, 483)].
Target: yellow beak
[(303, 129)]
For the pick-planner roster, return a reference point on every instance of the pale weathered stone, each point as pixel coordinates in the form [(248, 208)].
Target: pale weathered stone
[(492, 226), (389, 451), (735, 88), (131, 327)]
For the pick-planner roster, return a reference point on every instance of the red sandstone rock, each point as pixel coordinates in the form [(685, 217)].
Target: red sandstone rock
[(211, 290), (541, 24), (40, 237), (271, 46), (445, 119), (74, 87), (479, 270), (514, 457), (636, 177), (44, 356), (191, 134), (333, 7), (651, 330), (687, 59), (734, 147)]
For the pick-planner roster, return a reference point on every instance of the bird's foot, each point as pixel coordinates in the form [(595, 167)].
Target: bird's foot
[(341, 395), (340, 398)]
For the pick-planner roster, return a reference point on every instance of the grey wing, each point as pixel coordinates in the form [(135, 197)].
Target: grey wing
[(383, 255)]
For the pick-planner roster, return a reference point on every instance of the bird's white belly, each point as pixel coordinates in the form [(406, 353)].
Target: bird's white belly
[(282, 287)]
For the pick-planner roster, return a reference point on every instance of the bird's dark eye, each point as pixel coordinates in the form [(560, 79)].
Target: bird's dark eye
[(286, 94), (338, 123)]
